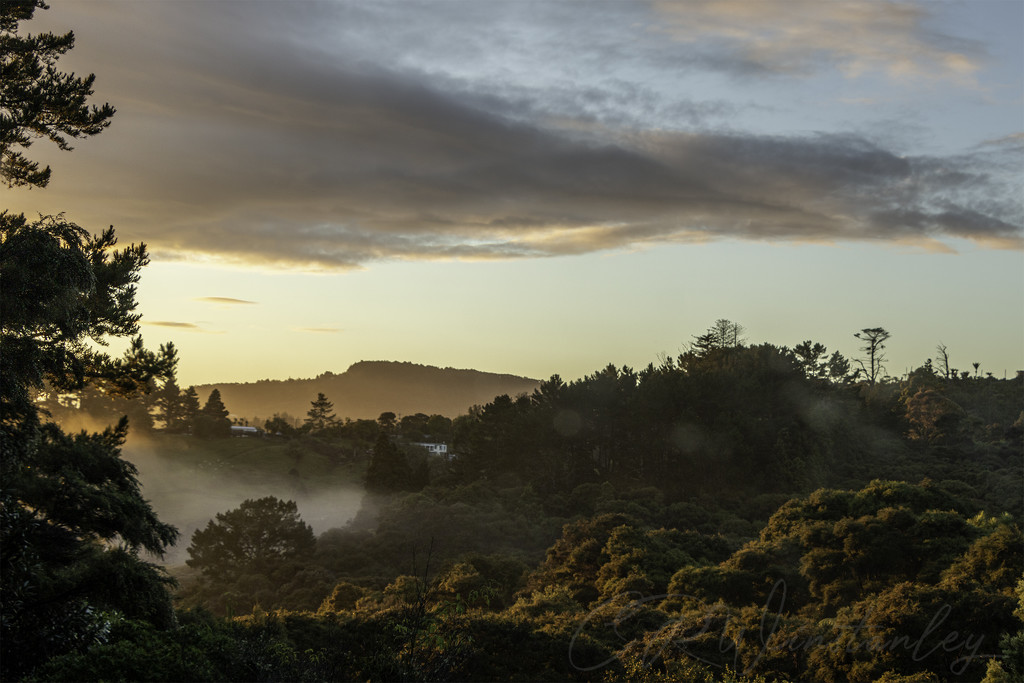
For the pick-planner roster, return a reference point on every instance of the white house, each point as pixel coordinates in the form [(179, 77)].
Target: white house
[(440, 449)]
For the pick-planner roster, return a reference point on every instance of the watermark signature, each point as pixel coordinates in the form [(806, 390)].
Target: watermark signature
[(691, 635)]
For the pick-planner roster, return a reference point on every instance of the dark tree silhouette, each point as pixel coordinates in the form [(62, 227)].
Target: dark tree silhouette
[(212, 421), (816, 365), (724, 334), (37, 100), (190, 408), (389, 469), (169, 407), (72, 517), (873, 365), (67, 503), (321, 414), (255, 537), (943, 360), (278, 425), (387, 421)]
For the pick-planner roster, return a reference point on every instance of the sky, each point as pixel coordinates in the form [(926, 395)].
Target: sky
[(549, 187)]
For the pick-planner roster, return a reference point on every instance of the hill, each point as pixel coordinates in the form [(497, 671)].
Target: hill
[(369, 388)]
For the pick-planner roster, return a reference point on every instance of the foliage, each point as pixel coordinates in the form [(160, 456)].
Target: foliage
[(689, 427), (912, 630), (212, 421), (320, 415), (739, 513), (73, 517), (277, 425), (68, 501), (177, 409), (724, 334), (389, 468), (993, 562), (256, 537), (873, 364), (811, 357), (38, 101)]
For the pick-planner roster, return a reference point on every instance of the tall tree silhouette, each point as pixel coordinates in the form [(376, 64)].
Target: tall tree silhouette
[(873, 364), (321, 414), (942, 357), (724, 334), (212, 421), (72, 516), (190, 408)]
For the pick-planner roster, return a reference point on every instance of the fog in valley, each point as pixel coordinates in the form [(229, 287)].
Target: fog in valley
[(189, 496)]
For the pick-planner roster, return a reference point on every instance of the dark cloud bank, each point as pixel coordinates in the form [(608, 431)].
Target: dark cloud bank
[(276, 150)]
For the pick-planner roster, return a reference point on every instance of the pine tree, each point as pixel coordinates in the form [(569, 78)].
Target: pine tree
[(69, 504), (215, 406), (38, 100), (212, 421), (320, 415), (189, 409), (72, 516), (169, 408)]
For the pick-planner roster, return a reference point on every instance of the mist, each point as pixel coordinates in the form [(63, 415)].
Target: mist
[(189, 495)]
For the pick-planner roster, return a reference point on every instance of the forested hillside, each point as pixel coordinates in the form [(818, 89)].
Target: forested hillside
[(369, 388), (739, 512)]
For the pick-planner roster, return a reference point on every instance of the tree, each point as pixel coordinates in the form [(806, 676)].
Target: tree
[(874, 346), (37, 100), (215, 406), (256, 537), (190, 408), (943, 361), (932, 417), (811, 357), (724, 334), (387, 421), (728, 333), (439, 428), (278, 425), (414, 427), (68, 502), (389, 469), (72, 516), (169, 408), (812, 360), (320, 415), (212, 421), (839, 368)]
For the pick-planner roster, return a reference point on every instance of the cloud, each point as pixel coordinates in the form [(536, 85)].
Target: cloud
[(188, 327), (223, 300), (298, 136), (168, 323), (395, 170), (321, 330), (802, 36)]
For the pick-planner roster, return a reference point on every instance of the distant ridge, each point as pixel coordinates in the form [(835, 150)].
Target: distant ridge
[(369, 388)]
